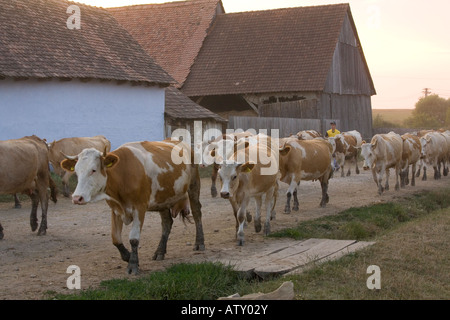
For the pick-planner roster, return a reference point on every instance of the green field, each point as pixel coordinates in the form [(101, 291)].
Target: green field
[(396, 116)]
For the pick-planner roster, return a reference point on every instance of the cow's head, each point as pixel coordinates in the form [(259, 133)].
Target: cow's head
[(229, 175), (91, 167), (368, 152), (426, 143)]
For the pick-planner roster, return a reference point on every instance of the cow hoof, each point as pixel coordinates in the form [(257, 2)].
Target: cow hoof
[(249, 217), (258, 226), (42, 232), (1, 233), (199, 247), (323, 204), (266, 229), (133, 269), (287, 210), (158, 257), (214, 192), (34, 225), (424, 179), (17, 206), (240, 242), (295, 208)]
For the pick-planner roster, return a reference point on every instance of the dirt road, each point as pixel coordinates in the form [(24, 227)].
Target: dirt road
[(80, 235)]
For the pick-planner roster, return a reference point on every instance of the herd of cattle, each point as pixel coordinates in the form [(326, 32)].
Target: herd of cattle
[(143, 176)]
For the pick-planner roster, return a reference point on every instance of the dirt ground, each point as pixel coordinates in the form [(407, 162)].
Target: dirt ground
[(30, 265)]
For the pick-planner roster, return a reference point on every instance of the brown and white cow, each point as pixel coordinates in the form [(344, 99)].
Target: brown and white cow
[(347, 145), (307, 160), (224, 146), (24, 169), (434, 152), (135, 178), (308, 135), (381, 154), (411, 155), (242, 180), (73, 146)]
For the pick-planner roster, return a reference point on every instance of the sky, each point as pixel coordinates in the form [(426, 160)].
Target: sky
[(406, 42)]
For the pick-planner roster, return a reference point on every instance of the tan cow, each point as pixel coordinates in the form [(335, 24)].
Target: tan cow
[(71, 147), (307, 160), (242, 180), (410, 156), (135, 178), (435, 152), (347, 145), (384, 152), (24, 169)]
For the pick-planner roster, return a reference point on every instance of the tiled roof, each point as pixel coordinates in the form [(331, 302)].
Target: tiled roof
[(283, 50), (179, 106), (172, 33), (36, 43)]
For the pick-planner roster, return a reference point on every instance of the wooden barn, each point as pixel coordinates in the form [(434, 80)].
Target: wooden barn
[(298, 63)]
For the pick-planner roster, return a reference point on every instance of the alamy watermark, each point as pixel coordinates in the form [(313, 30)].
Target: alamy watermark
[(374, 281), (74, 21), (74, 280)]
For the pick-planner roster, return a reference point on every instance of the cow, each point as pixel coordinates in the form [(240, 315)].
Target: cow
[(72, 146), (307, 160), (223, 145), (346, 146), (242, 180), (435, 152), (411, 154), (135, 178), (308, 135), (381, 154), (24, 169)]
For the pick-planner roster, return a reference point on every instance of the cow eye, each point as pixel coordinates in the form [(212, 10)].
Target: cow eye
[(233, 178), (93, 171)]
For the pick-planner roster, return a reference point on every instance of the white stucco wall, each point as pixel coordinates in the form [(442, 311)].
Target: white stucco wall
[(56, 109)]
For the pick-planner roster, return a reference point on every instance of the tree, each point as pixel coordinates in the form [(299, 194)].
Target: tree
[(430, 112)]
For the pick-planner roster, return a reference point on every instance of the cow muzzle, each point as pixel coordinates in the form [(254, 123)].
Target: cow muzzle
[(225, 195), (78, 200), (366, 168)]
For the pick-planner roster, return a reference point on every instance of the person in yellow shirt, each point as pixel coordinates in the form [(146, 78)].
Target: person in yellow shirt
[(333, 132)]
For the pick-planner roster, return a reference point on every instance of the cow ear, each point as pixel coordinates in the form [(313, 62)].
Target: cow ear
[(247, 167), (285, 151), (68, 165), (110, 160)]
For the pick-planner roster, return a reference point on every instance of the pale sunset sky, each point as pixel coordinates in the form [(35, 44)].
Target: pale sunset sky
[(406, 43)]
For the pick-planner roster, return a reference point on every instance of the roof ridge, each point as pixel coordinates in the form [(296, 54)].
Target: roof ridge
[(288, 8), (164, 4)]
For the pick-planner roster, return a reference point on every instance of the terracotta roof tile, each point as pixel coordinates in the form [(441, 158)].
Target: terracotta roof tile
[(172, 33), (179, 106), (283, 50), (36, 43)]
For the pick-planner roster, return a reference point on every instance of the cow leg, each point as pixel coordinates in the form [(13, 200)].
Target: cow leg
[(17, 204), (436, 172), (379, 181), (166, 223), (34, 206), (257, 222), (296, 204), (116, 235), (65, 183), (292, 188), (356, 164), (388, 175), (241, 219), (424, 178), (269, 204), (398, 171), (413, 176), (407, 175), (325, 197), (215, 170), (196, 208), (135, 235), (1, 232)]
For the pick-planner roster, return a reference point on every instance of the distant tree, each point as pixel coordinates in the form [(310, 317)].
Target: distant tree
[(380, 122), (430, 112)]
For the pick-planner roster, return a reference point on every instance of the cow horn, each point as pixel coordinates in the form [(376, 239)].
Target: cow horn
[(69, 157)]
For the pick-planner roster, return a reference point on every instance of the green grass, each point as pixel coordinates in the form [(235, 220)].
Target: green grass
[(412, 250), (366, 223), (202, 281)]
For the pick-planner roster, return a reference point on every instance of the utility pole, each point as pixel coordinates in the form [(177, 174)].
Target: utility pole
[(427, 92)]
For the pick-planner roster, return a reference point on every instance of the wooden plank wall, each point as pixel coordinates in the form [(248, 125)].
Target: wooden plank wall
[(302, 109), (285, 126)]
